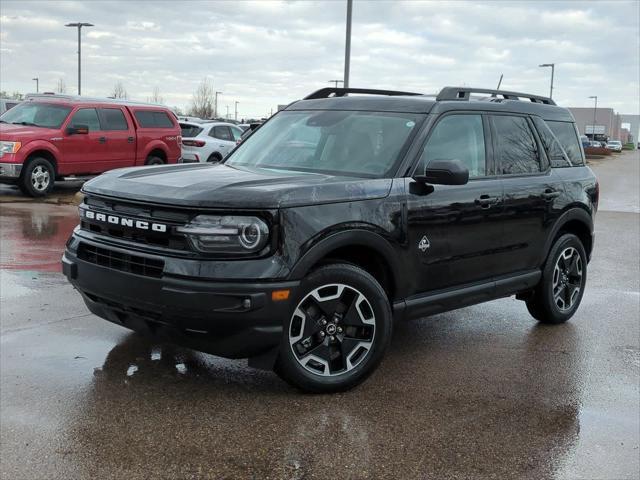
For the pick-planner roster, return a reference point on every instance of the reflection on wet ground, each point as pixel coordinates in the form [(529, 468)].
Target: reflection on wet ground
[(482, 392)]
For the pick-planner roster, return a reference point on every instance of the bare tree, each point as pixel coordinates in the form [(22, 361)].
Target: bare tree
[(155, 97), (119, 91), (61, 87), (177, 110), (203, 100)]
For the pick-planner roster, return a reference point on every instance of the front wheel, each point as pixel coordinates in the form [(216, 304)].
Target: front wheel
[(564, 277), (37, 177), (338, 331)]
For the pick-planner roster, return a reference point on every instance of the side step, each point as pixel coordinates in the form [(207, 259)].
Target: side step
[(73, 178)]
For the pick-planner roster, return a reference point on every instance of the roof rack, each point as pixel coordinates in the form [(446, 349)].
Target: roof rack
[(63, 96), (341, 92), (464, 94)]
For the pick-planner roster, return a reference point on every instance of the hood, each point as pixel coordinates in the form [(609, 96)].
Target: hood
[(20, 133), (221, 186)]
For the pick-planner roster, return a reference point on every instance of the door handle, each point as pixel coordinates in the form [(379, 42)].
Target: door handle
[(485, 201), (130, 139), (549, 194), (102, 139)]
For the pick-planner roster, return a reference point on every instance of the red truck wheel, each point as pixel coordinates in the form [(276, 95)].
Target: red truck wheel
[(37, 177)]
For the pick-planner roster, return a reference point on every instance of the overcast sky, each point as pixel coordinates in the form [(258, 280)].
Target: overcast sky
[(267, 53)]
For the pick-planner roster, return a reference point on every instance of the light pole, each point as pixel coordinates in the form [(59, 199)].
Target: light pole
[(236, 115), (347, 45), (595, 109), (336, 82), (553, 67), (37, 84), (79, 26), (227, 117), (215, 104)]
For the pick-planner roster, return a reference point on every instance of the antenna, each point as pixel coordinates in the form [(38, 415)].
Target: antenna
[(500, 81)]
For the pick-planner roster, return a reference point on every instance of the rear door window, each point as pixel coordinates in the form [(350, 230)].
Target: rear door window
[(221, 132), (114, 119), (153, 119), (557, 156), (236, 132), (516, 149), (566, 134), (86, 117)]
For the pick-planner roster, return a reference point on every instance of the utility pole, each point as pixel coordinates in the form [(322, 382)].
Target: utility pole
[(236, 115), (227, 117), (595, 109), (553, 67), (79, 25), (336, 82), (347, 46), (215, 104), (37, 84)]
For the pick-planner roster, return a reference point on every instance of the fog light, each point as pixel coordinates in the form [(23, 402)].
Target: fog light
[(246, 303)]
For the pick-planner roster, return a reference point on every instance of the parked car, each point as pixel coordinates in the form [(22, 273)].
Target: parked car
[(595, 144), (7, 104), (50, 137), (208, 142), (615, 145), (337, 217), (584, 140)]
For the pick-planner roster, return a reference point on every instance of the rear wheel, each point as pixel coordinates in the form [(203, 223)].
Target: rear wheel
[(37, 177), (154, 160), (338, 331), (564, 277), (214, 158)]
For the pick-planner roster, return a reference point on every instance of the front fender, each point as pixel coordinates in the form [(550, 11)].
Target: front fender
[(36, 145)]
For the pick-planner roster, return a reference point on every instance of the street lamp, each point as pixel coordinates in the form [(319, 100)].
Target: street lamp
[(37, 84), (347, 45), (595, 109), (336, 82), (215, 104), (79, 26), (236, 116), (553, 67)]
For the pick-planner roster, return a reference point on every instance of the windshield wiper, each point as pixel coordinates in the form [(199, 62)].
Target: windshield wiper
[(27, 124)]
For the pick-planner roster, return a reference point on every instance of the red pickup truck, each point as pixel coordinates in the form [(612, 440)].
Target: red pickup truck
[(49, 137)]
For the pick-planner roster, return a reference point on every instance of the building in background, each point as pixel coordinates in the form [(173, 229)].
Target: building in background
[(608, 124)]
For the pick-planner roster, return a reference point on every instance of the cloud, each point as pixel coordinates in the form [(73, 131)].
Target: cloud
[(267, 53)]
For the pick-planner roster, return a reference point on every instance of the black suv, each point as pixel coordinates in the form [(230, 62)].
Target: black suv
[(345, 212)]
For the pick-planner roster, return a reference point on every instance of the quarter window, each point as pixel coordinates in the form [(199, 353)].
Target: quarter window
[(457, 137), (221, 132), (86, 116), (516, 147), (114, 119), (566, 134)]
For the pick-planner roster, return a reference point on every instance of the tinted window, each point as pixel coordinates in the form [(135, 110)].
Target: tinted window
[(555, 152), (189, 130), (86, 116), (114, 119), (236, 132), (153, 119), (516, 148), (355, 143), (221, 132), (566, 134), (457, 137)]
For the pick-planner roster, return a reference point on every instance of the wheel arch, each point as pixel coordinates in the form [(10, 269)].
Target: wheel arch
[(576, 221), (44, 153), (363, 248)]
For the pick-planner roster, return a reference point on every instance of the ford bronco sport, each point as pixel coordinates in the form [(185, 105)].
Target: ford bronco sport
[(338, 216)]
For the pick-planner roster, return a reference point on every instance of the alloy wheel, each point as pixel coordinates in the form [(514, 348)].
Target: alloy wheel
[(40, 178), (332, 330), (567, 279)]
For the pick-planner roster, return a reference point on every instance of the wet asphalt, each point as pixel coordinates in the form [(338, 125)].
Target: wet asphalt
[(481, 392)]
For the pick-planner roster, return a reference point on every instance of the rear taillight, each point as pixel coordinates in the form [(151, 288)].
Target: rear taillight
[(193, 143)]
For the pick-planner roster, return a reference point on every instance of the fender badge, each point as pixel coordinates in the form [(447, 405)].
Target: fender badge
[(424, 244)]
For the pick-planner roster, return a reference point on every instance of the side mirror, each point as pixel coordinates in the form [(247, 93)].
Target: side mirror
[(78, 129), (444, 172)]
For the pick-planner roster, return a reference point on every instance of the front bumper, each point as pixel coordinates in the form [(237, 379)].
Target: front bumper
[(10, 170), (233, 320)]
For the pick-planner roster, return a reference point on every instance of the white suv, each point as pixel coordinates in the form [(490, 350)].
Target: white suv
[(208, 142)]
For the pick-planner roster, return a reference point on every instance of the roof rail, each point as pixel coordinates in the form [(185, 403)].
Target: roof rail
[(78, 98), (464, 94), (341, 92)]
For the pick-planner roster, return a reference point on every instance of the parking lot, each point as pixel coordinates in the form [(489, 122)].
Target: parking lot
[(481, 392)]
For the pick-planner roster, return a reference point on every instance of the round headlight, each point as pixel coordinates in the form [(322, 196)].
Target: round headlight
[(250, 236)]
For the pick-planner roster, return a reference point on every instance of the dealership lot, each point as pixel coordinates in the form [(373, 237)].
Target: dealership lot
[(479, 392)]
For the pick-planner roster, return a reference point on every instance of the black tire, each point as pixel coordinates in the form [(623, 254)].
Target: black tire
[(37, 177), (214, 158), (544, 305), (153, 160), (371, 320)]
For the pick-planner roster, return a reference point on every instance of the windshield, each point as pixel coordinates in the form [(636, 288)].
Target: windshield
[(366, 144), (36, 114)]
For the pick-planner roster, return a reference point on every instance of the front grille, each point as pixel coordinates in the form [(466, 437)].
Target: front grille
[(125, 262)]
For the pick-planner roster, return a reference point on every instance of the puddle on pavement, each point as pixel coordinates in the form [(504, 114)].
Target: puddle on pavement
[(33, 236)]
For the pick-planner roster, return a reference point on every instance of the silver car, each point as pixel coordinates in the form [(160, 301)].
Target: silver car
[(208, 142), (615, 145)]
